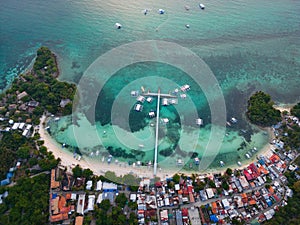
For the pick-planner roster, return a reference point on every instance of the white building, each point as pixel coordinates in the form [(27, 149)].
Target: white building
[(15, 126), (91, 202), (80, 204), (109, 186), (244, 183), (225, 203), (99, 186), (89, 185), (210, 193)]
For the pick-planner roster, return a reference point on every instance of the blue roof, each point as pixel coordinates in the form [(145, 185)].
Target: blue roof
[(269, 202), (5, 182), (54, 195), (214, 218), (9, 175), (261, 161)]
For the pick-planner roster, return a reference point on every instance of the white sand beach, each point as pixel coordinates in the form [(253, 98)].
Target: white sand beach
[(99, 168)]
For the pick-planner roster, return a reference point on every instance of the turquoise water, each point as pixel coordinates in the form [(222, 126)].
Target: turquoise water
[(248, 46)]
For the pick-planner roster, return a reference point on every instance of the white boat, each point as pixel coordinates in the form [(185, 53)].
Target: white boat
[(185, 87), (183, 96), (233, 120), (138, 107), (222, 163), (161, 11), (239, 163), (187, 26), (247, 156), (151, 114), (202, 6), (165, 101), (134, 93), (118, 25), (199, 122), (149, 99), (140, 99), (145, 11), (165, 120)]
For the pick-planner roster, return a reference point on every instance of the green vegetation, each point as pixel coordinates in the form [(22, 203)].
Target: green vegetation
[(292, 138), (295, 111), (79, 172), (27, 202), (42, 86), (261, 111), (106, 214), (121, 200), (8, 149)]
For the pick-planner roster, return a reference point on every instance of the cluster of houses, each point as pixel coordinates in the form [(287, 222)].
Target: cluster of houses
[(68, 205), (19, 109), (16, 112), (253, 193), (256, 192)]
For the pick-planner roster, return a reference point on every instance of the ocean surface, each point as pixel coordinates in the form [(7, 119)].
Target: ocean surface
[(248, 45)]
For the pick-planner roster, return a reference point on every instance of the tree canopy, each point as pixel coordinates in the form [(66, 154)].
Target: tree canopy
[(261, 111), (295, 111)]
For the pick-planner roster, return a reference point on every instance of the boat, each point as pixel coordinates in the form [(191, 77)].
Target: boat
[(187, 26), (199, 122), (185, 87), (247, 156), (149, 99), (222, 163), (145, 11), (239, 163), (233, 120), (134, 93), (165, 102), (187, 8), (161, 11), (118, 25), (138, 107), (202, 6), (151, 114)]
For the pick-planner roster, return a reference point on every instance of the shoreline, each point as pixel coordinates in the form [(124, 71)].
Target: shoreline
[(122, 168)]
